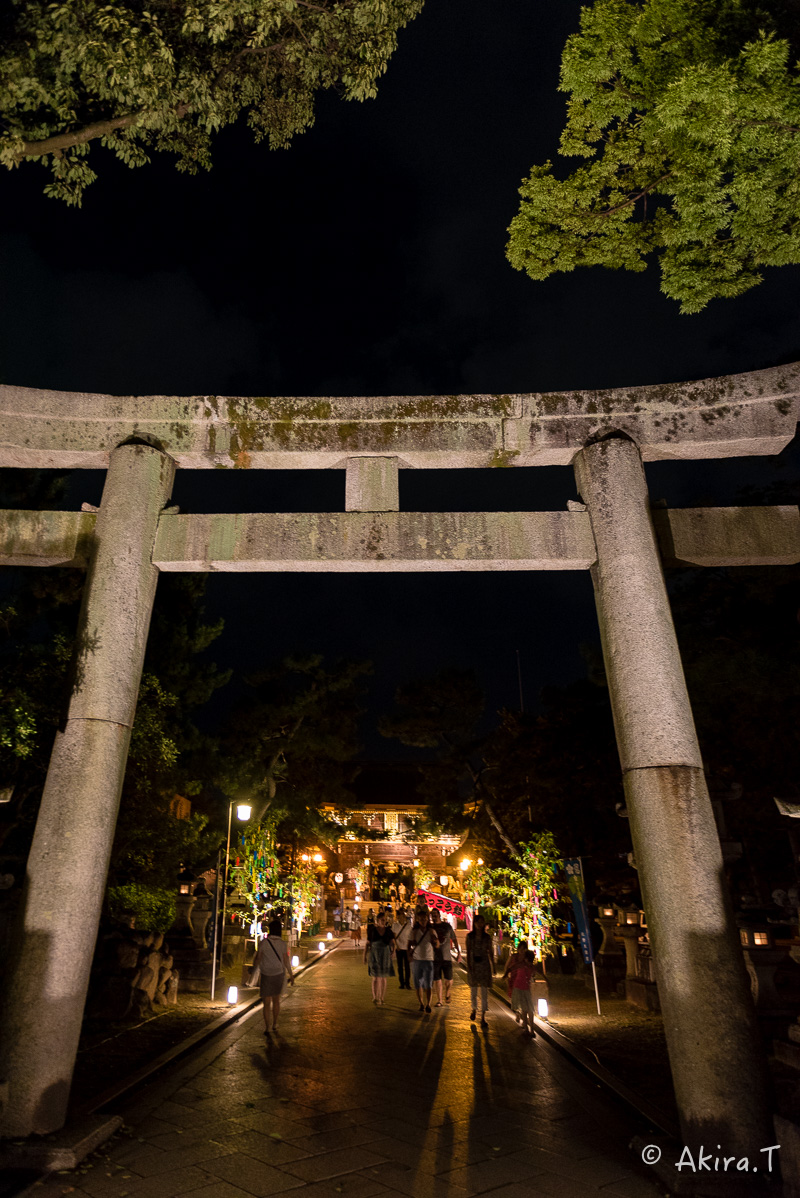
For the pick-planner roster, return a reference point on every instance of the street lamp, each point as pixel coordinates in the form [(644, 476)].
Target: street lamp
[(243, 813)]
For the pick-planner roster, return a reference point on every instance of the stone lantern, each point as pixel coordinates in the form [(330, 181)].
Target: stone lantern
[(184, 903), (201, 913), (629, 929), (610, 965), (763, 959), (607, 920)]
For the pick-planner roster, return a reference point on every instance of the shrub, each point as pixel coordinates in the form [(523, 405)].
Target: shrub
[(152, 907)]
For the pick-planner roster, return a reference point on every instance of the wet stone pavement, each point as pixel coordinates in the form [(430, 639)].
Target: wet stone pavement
[(360, 1100)]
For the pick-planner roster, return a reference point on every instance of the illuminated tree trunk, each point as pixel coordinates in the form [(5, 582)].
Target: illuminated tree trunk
[(718, 1066), (68, 863)]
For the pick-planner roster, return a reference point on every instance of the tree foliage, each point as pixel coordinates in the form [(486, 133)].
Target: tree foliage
[(524, 894), (153, 908), (687, 113), (143, 76)]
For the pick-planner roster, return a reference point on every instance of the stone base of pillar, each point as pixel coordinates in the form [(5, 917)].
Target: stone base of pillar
[(64, 1149)]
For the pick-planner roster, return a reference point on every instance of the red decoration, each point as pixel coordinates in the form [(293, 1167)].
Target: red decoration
[(446, 905)]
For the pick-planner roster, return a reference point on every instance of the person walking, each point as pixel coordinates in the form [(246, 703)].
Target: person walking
[(347, 916), (443, 957), (521, 997), (515, 958), (337, 921), (273, 964), (421, 946), (402, 928), (480, 967), (378, 957), (355, 928)]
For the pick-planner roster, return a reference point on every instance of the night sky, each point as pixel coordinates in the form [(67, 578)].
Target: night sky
[(369, 260)]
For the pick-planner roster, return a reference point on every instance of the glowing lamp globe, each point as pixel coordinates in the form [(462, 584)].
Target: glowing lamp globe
[(244, 811), (233, 995), (465, 864), (330, 935), (295, 962), (541, 1008), (322, 946), (318, 856)]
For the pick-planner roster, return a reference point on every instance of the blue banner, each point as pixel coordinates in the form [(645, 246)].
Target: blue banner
[(577, 890)]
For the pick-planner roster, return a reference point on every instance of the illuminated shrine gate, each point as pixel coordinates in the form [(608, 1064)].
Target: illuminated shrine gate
[(715, 1054), (400, 855)]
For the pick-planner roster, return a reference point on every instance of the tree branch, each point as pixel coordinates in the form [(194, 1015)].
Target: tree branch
[(65, 141), (633, 199), (777, 124), (487, 806)]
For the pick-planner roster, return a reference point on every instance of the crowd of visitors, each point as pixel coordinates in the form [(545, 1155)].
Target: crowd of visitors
[(423, 947)]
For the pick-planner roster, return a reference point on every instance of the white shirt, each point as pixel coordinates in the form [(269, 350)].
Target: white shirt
[(423, 950), (402, 933)]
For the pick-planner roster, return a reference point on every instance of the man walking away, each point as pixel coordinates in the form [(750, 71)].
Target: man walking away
[(443, 957), (421, 946), (402, 932)]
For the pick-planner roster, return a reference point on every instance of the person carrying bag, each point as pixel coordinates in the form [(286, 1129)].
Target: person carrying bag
[(271, 968)]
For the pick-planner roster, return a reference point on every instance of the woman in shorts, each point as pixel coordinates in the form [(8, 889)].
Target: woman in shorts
[(272, 960), (421, 949)]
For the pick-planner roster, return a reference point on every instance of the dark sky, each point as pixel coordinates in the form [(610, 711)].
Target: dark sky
[(369, 259)]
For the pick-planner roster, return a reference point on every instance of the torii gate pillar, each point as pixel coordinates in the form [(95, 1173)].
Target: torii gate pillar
[(718, 1065), (46, 986)]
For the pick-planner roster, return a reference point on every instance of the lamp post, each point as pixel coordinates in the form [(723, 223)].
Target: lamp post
[(243, 813)]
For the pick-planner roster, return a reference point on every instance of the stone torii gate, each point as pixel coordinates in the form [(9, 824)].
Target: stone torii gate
[(716, 1058)]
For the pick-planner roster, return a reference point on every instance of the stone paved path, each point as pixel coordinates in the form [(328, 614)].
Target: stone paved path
[(362, 1101)]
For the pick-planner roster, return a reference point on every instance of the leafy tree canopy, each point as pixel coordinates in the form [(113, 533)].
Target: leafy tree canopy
[(687, 113), (165, 75)]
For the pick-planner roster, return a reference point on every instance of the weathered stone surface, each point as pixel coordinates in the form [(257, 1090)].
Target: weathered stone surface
[(371, 485), (46, 983), (755, 536), (752, 413), (652, 716), (46, 538), (718, 1066), (390, 541), (736, 536)]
